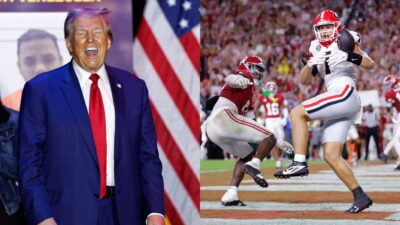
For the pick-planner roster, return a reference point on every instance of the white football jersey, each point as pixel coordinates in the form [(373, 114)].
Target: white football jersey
[(343, 73)]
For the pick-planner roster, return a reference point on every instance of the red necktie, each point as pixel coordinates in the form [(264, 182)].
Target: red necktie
[(98, 123)]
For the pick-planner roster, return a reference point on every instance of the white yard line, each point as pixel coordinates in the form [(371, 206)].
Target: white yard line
[(395, 216), (370, 178), (387, 187), (293, 221), (277, 206)]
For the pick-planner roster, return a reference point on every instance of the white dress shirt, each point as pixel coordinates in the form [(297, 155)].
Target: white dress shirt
[(105, 89), (371, 119)]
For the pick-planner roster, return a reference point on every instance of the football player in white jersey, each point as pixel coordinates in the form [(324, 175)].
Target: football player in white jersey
[(339, 106)]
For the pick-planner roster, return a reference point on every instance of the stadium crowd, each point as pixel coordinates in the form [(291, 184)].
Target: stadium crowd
[(280, 32)]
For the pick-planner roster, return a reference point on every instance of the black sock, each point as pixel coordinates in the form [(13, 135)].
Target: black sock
[(358, 192)]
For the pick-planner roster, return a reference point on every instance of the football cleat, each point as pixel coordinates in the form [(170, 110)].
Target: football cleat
[(384, 158), (397, 168), (296, 169), (255, 174), (231, 198), (360, 204), (233, 203)]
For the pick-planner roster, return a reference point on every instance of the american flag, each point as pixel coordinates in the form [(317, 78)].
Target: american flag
[(166, 54)]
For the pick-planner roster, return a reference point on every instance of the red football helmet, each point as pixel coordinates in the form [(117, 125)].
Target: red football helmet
[(327, 26), (396, 85), (252, 66), (388, 81), (272, 87)]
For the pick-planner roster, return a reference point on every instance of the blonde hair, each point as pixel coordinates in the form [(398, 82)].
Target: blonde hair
[(78, 12)]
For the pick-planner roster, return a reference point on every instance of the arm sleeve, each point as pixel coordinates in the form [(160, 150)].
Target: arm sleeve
[(231, 80), (389, 97), (8, 167), (31, 136), (311, 49), (150, 164)]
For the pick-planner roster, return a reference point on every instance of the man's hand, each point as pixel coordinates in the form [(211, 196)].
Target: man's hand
[(49, 221), (243, 82), (316, 60), (155, 220), (337, 57)]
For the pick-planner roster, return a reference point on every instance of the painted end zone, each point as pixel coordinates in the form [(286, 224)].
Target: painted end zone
[(320, 198)]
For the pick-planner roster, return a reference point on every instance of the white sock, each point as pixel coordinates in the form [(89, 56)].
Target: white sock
[(234, 188), (299, 158), (256, 162)]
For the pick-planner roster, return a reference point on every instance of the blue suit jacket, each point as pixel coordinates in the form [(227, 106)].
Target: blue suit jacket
[(58, 164)]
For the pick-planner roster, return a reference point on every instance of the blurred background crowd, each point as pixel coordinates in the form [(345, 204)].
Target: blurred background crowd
[(280, 32)]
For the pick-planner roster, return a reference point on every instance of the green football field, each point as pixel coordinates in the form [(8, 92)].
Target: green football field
[(221, 165)]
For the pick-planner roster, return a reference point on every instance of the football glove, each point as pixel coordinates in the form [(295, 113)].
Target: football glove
[(243, 82), (316, 60)]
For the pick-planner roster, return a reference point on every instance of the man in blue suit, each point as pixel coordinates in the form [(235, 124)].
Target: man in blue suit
[(87, 147)]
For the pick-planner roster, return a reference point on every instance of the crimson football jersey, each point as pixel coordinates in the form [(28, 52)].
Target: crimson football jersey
[(393, 98), (242, 98), (272, 106)]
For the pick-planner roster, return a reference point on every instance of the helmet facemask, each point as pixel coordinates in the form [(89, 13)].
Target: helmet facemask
[(325, 35), (256, 70)]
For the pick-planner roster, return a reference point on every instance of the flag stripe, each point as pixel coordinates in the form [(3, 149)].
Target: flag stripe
[(170, 115), (173, 50), (173, 215), (196, 32), (192, 48), (169, 78), (178, 162), (180, 198)]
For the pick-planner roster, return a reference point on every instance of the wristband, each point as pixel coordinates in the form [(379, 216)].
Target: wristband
[(354, 58)]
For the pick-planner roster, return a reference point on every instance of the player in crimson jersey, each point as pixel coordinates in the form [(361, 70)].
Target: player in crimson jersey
[(336, 59), (272, 111), (393, 98), (232, 127)]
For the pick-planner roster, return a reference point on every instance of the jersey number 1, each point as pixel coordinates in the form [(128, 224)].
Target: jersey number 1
[(327, 69)]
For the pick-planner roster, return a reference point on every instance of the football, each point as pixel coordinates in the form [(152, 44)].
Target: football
[(346, 41)]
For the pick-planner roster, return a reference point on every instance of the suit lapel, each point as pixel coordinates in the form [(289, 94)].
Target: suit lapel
[(73, 94), (117, 90)]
